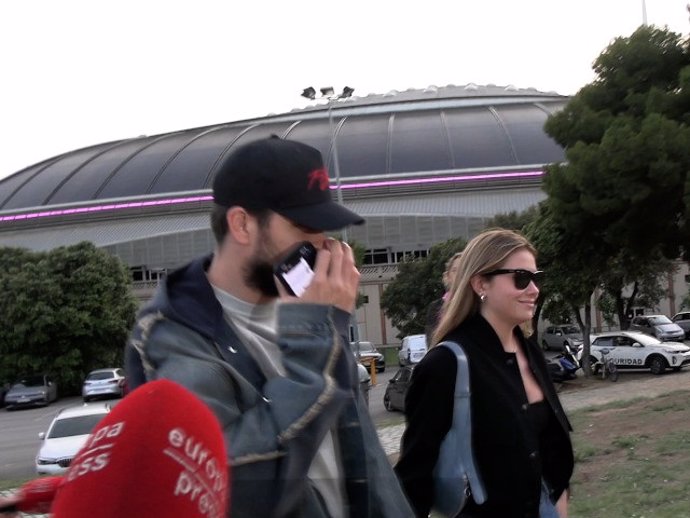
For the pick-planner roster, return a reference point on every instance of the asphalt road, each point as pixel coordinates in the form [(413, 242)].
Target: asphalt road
[(19, 429), (19, 440)]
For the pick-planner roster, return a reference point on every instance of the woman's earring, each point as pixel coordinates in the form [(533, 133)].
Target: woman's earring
[(482, 297)]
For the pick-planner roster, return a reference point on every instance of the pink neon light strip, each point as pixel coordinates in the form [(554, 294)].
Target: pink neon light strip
[(193, 199)]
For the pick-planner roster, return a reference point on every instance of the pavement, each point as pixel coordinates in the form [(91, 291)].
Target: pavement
[(601, 392)]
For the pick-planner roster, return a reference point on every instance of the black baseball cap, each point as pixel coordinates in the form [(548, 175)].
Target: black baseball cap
[(285, 176)]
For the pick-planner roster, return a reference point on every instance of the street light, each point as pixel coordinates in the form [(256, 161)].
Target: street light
[(328, 93)]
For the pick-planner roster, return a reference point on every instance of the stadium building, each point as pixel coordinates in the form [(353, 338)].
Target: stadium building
[(422, 166)]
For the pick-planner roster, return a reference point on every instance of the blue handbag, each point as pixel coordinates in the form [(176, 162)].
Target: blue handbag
[(455, 473)]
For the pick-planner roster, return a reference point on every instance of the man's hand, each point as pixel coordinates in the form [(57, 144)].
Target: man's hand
[(336, 278)]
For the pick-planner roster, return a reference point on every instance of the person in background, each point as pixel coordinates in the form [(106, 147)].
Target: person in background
[(433, 313), (276, 369), (521, 435)]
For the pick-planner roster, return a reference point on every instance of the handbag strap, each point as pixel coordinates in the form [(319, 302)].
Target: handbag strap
[(462, 420)]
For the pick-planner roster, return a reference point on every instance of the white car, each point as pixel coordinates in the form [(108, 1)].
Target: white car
[(66, 435), (412, 349), (635, 350)]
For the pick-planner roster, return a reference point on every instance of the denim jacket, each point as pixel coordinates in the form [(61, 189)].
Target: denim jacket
[(273, 428)]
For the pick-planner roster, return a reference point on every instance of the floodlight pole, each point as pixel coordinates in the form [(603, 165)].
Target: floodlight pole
[(327, 93)]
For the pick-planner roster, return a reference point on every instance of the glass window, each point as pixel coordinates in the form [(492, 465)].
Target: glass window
[(605, 341), (81, 425)]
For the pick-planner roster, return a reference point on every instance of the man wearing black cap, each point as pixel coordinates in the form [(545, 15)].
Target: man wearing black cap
[(276, 369)]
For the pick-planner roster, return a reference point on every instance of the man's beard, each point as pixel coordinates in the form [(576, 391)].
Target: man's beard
[(259, 271), (260, 276)]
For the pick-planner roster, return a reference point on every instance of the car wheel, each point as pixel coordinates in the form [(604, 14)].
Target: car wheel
[(657, 365), (387, 403), (544, 345), (381, 369)]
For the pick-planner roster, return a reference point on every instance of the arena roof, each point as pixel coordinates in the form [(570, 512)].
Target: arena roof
[(392, 143)]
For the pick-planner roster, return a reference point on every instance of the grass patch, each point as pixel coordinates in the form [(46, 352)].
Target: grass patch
[(633, 459), (12, 483)]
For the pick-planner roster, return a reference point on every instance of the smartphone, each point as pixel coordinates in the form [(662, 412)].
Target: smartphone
[(297, 269)]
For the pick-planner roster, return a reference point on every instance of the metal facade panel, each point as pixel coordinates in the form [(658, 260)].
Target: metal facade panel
[(41, 186), (133, 176), (102, 233), (477, 139), (84, 181), (363, 146), (419, 142), (471, 203), (190, 168), (525, 125)]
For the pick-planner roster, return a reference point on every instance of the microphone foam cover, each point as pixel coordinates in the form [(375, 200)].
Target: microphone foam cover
[(159, 452)]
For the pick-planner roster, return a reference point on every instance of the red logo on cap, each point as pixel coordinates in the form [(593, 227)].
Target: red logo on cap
[(318, 178)]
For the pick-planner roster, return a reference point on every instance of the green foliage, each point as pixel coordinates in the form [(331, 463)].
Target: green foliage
[(70, 311), (628, 150), (514, 220), (418, 283)]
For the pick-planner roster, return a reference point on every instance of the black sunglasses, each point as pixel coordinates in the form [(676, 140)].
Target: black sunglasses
[(521, 278)]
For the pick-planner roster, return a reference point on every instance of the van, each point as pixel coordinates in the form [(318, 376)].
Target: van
[(412, 350)]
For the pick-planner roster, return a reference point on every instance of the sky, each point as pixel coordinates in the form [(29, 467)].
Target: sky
[(75, 73)]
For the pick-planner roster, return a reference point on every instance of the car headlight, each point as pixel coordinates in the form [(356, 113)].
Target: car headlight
[(42, 461)]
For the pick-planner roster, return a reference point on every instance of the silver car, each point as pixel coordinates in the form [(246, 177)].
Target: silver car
[(104, 383), (659, 326), (557, 337), (35, 390)]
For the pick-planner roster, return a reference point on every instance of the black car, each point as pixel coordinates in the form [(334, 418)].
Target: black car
[(394, 397)]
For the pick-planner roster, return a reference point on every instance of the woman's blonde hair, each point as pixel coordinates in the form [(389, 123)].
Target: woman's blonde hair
[(485, 252)]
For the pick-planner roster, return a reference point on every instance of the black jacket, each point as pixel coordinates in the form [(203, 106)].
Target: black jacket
[(511, 459)]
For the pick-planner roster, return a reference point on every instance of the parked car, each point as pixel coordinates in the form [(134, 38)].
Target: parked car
[(66, 434), (557, 337), (659, 326), (365, 352), (394, 396), (635, 350), (683, 320), (36, 390), (412, 349), (104, 383), (4, 387)]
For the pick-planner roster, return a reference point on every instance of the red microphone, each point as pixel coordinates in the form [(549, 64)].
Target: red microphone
[(159, 453), (34, 497)]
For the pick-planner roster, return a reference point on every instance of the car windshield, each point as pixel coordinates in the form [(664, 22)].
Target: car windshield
[(364, 347), (30, 381), (570, 330), (69, 426), (660, 320), (100, 376)]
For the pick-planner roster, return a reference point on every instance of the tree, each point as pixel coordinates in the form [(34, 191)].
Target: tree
[(514, 220), (628, 149), (627, 146), (418, 283), (625, 286), (70, 311), (570, 281)]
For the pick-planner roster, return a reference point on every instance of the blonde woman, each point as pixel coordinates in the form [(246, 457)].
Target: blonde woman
[(521, 436)]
